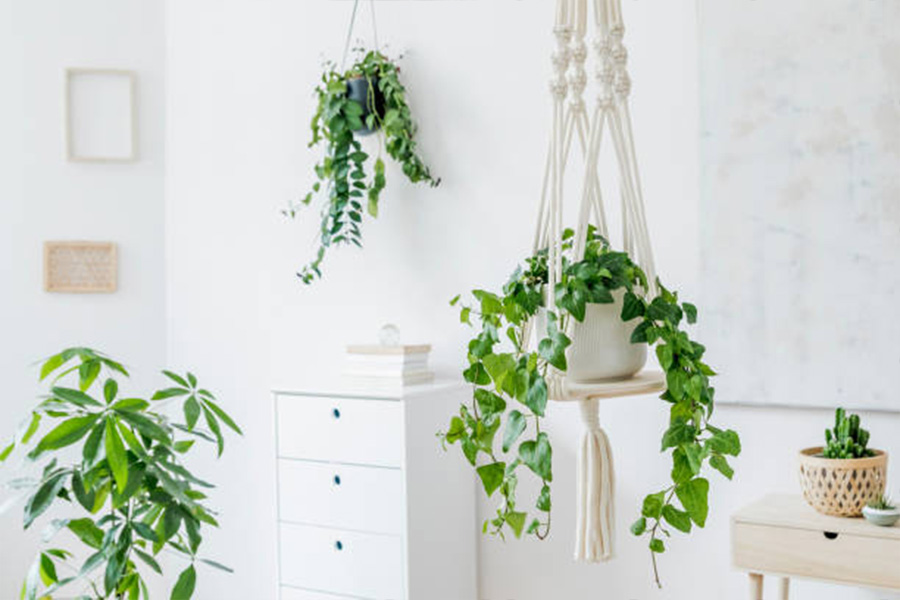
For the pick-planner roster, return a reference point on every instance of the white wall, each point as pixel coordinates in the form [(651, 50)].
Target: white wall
[(241, 74), (42, 197)]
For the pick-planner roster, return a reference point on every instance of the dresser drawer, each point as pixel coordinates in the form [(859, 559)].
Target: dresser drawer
[(340, 430), (342, 562), (341, 496), (298, 594), (817, 554)]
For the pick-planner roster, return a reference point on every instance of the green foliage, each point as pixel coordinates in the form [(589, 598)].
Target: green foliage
[(882, 503), (342, 175), (847, 439), (128, 481), (510, 386)]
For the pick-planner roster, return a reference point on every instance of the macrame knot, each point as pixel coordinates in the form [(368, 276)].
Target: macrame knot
[(578, 81), (590, 415), (556, 384), (606, 74), (620, 55), (559, 88), (623, 84), (560, 60), (579, 51), (617, 32)]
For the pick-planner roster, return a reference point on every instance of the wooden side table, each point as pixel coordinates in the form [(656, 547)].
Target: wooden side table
[(785, 537)]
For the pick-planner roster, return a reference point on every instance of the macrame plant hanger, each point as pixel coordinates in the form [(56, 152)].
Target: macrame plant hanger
[(610, 119), (350, 31)]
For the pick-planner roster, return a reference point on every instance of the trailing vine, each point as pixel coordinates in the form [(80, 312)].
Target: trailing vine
[(510, 389), (342, 175)]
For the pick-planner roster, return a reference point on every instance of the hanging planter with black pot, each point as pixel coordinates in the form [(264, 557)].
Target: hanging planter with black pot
[(366, 92)]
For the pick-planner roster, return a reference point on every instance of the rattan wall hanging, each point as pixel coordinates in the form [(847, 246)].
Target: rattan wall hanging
[(80, 267)]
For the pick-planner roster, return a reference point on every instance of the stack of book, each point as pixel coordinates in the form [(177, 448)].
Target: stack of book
[(388, 365)]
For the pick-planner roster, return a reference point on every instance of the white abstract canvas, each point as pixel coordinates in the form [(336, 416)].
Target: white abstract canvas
[(800, 162)]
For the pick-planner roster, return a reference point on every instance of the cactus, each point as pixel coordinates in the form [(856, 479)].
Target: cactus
[(847, 439)]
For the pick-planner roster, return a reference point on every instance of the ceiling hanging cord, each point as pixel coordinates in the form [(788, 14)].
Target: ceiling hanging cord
[(350, 31)]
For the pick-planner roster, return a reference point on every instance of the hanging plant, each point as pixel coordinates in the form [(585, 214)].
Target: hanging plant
[(500, 431), (366, 98)]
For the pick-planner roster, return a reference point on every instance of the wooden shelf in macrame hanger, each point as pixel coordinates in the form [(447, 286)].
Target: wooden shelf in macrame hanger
[(648, 381)]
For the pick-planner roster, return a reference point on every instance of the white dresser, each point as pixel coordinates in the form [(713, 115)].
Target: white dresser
[(369, 505)]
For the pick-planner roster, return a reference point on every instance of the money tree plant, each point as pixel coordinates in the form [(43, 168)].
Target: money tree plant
[(117, 464)]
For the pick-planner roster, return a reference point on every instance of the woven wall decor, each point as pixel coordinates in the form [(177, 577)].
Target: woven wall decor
[(80, 267)]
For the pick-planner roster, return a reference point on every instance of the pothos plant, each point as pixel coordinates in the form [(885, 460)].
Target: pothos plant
[(347, 176), (510, 383), (117, 463)]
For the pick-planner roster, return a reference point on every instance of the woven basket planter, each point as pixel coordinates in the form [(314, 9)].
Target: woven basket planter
[(841, 487)]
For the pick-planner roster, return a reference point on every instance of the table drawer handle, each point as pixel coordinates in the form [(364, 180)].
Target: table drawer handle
[(336, 413), (339, 545), (831, 535), (337, 480)]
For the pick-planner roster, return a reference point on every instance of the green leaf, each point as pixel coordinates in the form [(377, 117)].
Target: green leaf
[(110, 389), (544, 502), (632, 307), (115, 454), (680, 432), (43, 498), (515, 425), (92, 444), (693, 496), (183, 446), (145, 531), (677, 518), (653, 503), (76, 397), (191, 411), (690, 311), (681, 467), (214, 427), (87, 531), (454, 300), (131, 404), (720, 464), (53, 363), (216, 565), (149, 560), (477, 374), (33, 426), (536, 397), (657, 546), (146, 426), (639, 335), (48, 570), (176, 378), (489, 404), (170, 393), (223, 416), (87, 498), (665, 356), (87, 374), (725, 442), (456, 431), (65, 434), (516, 521), (7, 451), (538, 456), (491, 476), (695, 455), (192, 380), (639, 526)]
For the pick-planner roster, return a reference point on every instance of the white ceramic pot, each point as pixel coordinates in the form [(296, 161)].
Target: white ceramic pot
[(601, 345), (885, 517)]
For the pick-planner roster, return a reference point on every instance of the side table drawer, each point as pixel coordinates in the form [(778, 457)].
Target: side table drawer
[(342, 562), (341, 496), (807, 553), (340, 430)]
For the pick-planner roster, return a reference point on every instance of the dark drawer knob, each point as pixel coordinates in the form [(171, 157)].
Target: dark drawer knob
[(337, 480), (339, 545), (831, 535), (336, 413)]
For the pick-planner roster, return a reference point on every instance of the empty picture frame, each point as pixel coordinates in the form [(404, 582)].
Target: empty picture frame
[(101, 115), (80, 267)]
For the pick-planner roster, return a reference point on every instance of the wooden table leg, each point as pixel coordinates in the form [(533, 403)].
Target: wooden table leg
[(756, 586), (785, 588)]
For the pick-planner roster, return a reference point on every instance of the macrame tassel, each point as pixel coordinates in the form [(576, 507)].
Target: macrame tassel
[(596, 490)]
